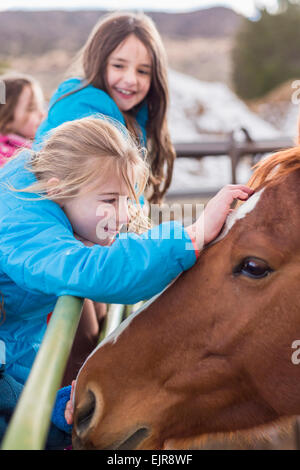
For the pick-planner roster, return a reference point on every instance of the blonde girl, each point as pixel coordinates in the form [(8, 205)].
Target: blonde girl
[(62, 209)]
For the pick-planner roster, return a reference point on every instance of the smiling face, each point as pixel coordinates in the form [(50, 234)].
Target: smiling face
[(99, 214), (29, 112), (128, 73)]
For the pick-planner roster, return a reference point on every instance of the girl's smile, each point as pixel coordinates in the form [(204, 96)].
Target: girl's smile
[(97, 216), (128, 73)]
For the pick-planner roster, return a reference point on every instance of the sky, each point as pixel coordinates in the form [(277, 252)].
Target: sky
[(245, 7)]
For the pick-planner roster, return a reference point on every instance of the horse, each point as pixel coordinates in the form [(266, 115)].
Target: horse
[(214, 351)]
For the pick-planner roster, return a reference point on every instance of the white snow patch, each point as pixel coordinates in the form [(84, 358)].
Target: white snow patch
[(201, 111)]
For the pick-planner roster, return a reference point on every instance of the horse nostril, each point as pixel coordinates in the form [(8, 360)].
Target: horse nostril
[(85, 413)]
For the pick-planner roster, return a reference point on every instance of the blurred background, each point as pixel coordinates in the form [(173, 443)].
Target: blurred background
[(232, 64)]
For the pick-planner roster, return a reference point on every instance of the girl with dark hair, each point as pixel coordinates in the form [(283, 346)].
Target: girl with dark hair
[(124, 75)]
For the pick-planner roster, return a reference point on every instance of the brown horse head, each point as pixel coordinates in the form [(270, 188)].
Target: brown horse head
[(212, 352)]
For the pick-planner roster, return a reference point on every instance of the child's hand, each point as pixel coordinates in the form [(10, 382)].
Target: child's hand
[(212, 219), (69, 406)]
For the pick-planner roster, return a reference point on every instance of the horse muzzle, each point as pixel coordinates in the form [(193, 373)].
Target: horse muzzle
[(130, 441), (89, 429)]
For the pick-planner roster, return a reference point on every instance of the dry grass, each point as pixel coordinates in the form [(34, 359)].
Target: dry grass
[(207, 59)]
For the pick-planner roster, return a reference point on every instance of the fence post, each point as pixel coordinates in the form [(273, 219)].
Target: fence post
[(234, 155), (30, 423), (113, 319)]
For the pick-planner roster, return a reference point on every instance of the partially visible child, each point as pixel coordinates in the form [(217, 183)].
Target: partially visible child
[(20, 115)]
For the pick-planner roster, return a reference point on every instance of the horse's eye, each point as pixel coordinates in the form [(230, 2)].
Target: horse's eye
[(253, 267)]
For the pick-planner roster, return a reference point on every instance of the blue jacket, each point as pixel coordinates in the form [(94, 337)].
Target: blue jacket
[(40, 260), (85, 102), (88, 101)]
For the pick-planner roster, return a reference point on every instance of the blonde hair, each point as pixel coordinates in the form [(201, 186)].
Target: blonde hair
[(81, 153)]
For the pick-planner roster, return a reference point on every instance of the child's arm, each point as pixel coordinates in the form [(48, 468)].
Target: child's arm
[(209, 224), (40, 254)]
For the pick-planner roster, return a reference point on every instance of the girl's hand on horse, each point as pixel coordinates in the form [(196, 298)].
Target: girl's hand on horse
[(69, 406), (212, 219)]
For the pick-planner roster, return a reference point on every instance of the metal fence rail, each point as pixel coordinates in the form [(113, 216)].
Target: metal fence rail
[(234, 149), (30, 423)]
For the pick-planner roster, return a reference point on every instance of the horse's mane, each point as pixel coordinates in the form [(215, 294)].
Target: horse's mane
[(276, 167)]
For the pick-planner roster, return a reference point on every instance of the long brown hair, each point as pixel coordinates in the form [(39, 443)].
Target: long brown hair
[(108, 33)]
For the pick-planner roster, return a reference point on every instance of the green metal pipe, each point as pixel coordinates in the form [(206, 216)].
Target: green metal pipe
[(113, 318), (30, 423)]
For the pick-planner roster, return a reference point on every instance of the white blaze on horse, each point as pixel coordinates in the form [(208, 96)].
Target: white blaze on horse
[(213, 352)]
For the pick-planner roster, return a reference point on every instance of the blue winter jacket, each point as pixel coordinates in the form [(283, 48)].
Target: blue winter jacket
[(85, 102), (40, 260)]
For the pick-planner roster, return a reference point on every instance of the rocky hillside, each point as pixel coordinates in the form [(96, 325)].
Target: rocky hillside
[(37, 32)]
